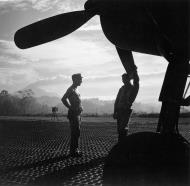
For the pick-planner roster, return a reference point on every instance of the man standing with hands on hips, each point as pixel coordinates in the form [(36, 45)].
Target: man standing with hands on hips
[(72, 101)]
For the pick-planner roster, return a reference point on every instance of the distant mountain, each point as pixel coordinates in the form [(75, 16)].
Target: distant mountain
[(47, 100)]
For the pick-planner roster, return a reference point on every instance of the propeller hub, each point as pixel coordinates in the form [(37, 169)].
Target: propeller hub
[(93, 5)]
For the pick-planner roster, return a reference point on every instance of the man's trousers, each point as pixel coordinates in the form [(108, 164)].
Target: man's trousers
[(75, 122), (123, 116)]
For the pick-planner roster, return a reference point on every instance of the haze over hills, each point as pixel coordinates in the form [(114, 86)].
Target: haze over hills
[(97, 106), (91, 105)]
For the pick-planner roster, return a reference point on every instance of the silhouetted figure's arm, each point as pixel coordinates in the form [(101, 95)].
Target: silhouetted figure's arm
[(135, 90), (65, 101), (127, 60)]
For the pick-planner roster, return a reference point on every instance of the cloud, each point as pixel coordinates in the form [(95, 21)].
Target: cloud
[(42, 5), (15, 69), (15, 79), (56, 59), (10, 53), (91, 86), (9, 1), (68, 5), (50, 66), (5, 44), (9, 5), (89, 27)]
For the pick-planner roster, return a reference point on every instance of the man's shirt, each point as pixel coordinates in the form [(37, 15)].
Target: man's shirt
[(73, 96), (126, 96)]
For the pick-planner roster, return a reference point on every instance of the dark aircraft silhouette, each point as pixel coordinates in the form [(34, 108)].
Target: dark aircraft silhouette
[(156, 27)]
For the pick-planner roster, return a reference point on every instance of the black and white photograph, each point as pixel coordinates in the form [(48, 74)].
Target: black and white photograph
[(94, 92)]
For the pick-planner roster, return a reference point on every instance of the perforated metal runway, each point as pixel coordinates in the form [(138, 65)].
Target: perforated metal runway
[(35, 152)]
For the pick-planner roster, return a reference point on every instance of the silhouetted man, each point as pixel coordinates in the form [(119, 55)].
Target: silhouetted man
[(124, 100), (72, 101)]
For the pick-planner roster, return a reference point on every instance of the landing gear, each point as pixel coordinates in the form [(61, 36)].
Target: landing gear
[(172, 95), (155, 158)]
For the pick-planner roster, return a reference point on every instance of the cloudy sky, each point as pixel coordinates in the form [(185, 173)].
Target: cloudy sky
[(47, 68)]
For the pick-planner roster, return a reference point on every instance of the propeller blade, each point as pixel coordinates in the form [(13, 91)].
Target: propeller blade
[(51, 28)]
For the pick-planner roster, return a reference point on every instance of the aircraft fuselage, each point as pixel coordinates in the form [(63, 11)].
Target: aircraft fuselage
[(145, 26)]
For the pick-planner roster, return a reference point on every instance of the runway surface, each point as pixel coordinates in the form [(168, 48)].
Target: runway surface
[(35, 151)]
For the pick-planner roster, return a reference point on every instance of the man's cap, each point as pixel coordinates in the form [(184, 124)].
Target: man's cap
[(77, 76)]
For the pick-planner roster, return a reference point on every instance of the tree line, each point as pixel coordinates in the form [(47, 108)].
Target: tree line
[(21, 103)]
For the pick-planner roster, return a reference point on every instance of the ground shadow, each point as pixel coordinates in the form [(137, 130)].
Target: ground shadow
[(35, 164), (60, 176)]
